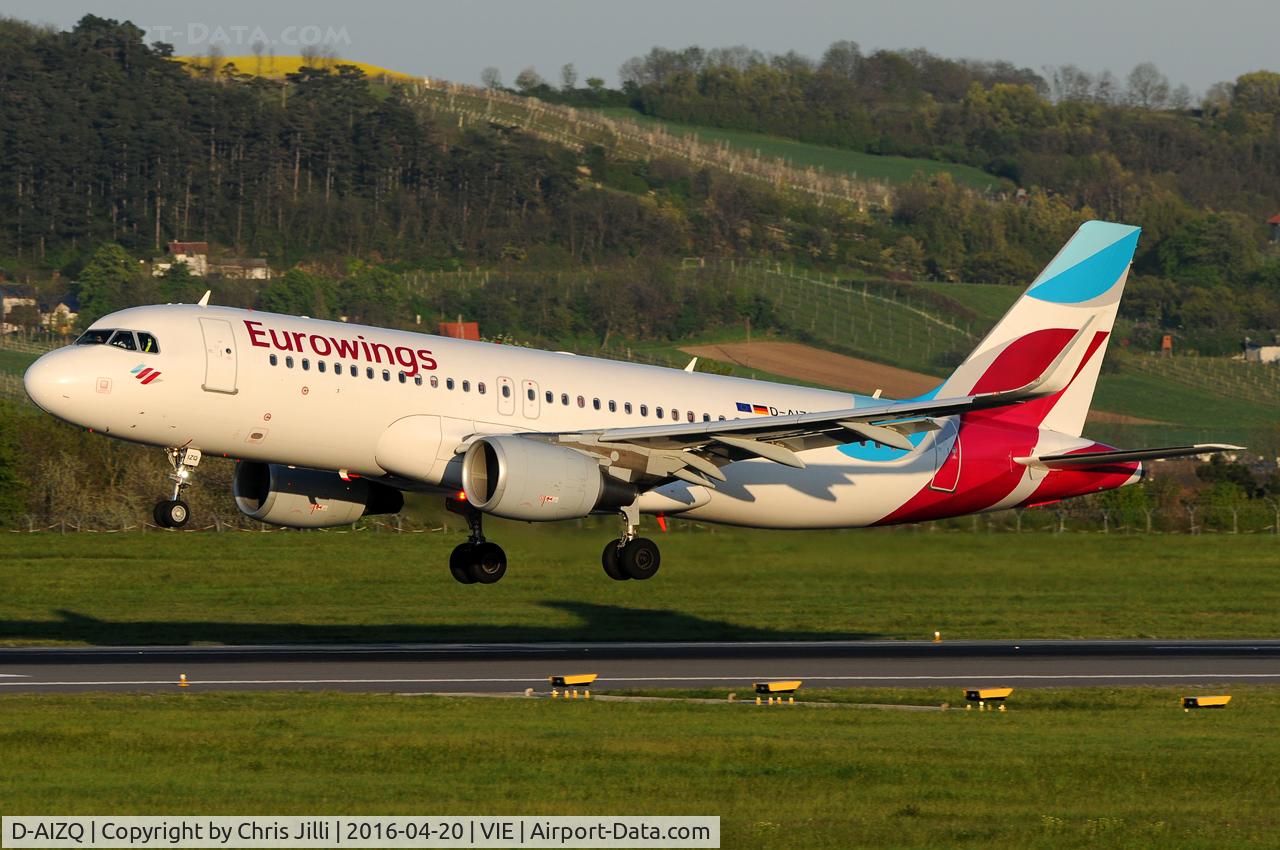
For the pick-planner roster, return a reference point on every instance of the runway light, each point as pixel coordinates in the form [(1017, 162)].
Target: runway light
[(1221, 701), (769, 689), (182, 680), (982, 696), (937, 637), (572, 681)]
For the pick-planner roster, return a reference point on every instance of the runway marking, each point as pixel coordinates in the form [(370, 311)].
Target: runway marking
[(13, 676), (971, 677)]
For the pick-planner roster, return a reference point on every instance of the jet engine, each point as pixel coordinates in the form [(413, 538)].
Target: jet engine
[(308, 498), (520, 478)]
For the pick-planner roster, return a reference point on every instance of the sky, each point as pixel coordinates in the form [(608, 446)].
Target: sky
[(1197, 43)]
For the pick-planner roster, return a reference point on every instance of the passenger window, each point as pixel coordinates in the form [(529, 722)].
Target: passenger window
[(582, 402), (657, 411), (435, 382), (320, 367), (706, 417), (123, 339), (448, 383), (274, 360), (306, 365), (368, 372), (721, 418), (564, 399), (675, 415), (506, 391), (98, 337), (466, 386), (690, 415), (403, 377), (595, 403), (644, 410), (288, 362), (626, 408), (480, 388), (532, 395), (417, 379), (355, 370), (148, 343), (386, 374), (613, 406)]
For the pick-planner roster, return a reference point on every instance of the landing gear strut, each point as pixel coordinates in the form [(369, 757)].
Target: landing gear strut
[(477, 560), (174, 512), (630, 556)]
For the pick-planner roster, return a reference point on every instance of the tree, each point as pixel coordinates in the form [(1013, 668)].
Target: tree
[(568, 77), (106, 282), (296, 293), (1147, 87), (842, 59), (529, 79), (1257, 92), (491, 78), (179, 286)]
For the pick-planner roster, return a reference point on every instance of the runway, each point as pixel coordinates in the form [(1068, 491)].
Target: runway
[(443, 668)]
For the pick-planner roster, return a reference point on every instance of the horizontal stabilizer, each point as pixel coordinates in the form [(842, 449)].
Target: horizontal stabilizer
[(1123, 455)]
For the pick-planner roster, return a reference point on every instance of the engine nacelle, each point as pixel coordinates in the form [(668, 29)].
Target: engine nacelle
[(520, 478), (308, 498)]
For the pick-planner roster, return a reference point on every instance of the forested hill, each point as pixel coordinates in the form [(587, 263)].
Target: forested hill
[(1098, 139), (107, 143), (104, 138)]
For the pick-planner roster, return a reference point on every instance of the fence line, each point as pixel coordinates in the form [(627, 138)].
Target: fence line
[(1258, 517)]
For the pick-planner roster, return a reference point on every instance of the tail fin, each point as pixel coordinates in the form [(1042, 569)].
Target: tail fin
[(1079, 289)]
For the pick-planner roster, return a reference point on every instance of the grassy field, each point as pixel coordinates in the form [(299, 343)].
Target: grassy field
[(1062, 769), (240, 587), (15, 362), (891, 169)]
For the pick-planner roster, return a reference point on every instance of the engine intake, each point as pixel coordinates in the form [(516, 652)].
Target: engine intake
[(520, 478), (308, 498)]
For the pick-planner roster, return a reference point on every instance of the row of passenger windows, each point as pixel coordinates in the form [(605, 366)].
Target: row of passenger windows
[(532, 394)]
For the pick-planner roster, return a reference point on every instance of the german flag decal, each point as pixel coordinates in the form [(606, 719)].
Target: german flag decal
[(761, 409), (144, 374)]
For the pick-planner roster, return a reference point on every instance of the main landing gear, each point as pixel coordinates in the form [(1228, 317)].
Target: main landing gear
[(477, 561), (630, 556), (174, 512)]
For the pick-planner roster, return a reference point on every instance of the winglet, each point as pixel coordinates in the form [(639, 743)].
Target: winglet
[(692, 364), (204, 299)]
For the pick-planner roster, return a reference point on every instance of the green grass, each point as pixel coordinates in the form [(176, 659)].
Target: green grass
[(1062, 769), (988, 300), (891, 169), (238, 587), (15, 362)]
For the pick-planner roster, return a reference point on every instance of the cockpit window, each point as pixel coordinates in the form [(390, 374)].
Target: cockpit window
[(123, 339), (94, 337), (148, 343)]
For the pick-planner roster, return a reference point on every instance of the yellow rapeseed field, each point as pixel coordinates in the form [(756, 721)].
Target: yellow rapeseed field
[(276, 67)]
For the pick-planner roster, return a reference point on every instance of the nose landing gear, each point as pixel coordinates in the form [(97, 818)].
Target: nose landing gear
[(174, 512)]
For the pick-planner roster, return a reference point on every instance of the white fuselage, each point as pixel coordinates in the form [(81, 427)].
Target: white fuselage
[(397, 406)]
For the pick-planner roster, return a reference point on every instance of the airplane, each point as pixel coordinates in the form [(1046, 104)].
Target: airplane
[(330, 421)]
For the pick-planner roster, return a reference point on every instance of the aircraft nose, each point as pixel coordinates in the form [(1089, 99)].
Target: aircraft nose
[(50, 383)]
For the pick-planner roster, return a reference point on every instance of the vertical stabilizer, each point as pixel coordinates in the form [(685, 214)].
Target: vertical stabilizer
[(1081, 287)]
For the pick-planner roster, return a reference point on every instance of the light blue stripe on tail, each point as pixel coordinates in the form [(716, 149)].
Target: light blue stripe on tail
[(1090, 264)]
